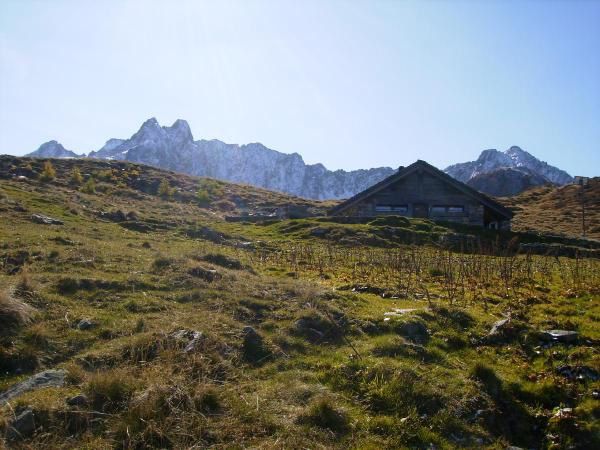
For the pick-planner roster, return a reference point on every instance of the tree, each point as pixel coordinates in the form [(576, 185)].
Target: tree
[(49, 173), (164, 189), (76, 177)]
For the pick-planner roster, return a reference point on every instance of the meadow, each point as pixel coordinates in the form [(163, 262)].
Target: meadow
[(171, 327)]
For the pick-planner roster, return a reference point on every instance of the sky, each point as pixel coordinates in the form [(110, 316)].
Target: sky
[(350, 84)]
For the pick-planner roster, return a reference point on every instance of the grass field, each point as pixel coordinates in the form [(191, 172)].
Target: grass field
[(184, 330)]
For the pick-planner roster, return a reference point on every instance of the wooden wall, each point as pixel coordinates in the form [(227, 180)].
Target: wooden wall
[(428, 191)]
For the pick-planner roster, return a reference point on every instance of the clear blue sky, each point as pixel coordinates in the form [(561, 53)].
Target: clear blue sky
[(351, 84)]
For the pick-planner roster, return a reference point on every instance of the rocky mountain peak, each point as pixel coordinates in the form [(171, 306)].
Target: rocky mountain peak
[(508, 172), (179, 131), (53, 149)]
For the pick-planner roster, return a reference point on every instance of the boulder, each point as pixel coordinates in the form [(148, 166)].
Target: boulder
[(46, 220), (209, 275), (77, 400), (414, 330), (48, 378), (504, 330), (254, 346), (86, 324), (190, 339), (579, 373), (563, 336), (22, 426)]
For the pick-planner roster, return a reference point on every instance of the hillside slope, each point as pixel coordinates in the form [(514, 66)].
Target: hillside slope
[(554, 209), (152, 322)]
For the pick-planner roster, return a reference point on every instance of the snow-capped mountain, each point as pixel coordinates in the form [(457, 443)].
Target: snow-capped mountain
[(507, 173), (174, 148), (53, 149)]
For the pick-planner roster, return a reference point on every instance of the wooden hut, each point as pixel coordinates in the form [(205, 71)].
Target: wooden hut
[(421, 190)]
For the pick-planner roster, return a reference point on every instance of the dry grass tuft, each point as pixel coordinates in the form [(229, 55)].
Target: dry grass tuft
[(14, 313)]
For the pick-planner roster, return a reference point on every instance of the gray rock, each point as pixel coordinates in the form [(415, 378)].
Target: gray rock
[(22, 426), (77, 400), (209, 275), (48, 378), (498, 327), (86, 324), (580, 373), (190, 338), (564, 336), (413, 330), (303, 327), (254, 346), (46, 220)]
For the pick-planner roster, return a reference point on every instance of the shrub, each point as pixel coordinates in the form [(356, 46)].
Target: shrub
[(13, 313), (164, 189), (162, 262), (76, 178), (203, 197), (89, 187), (48, 173)]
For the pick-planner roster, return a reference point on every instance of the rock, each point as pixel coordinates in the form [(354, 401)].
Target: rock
[(209, 275), (48, 378), (86, 324), (77, 400), (498, 327), (319, 232), (22, 426), (563, 413), (560, 336), (504, 330), (399, 312), (194, 339), (253, 346), (580, 373), (304, 328), (414, 330), (45, 220)]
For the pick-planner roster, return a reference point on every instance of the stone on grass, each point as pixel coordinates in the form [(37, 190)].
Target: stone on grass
[(46, 220), (86, 324), (48, 378), (77, 400), (564, 336), (22, 426)]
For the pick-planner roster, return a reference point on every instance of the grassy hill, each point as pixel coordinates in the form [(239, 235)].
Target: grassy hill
[(555, 210), (175, 328)]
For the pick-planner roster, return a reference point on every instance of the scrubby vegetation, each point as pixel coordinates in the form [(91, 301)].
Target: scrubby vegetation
[(178, 329), (553, 209)]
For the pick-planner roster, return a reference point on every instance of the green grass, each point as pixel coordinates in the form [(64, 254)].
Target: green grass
[(328, 370)]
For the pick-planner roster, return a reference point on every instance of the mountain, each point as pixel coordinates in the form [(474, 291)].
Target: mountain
[(53, 149), (507, 173), (174, 148)]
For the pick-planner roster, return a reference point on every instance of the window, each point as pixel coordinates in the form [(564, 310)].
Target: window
[(392, 208), (443, 209)]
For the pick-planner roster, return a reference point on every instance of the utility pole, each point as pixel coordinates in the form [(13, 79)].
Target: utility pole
[(582, 182)]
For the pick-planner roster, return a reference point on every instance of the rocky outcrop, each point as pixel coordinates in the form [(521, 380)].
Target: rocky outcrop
[(53, 149), (507, 173)]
